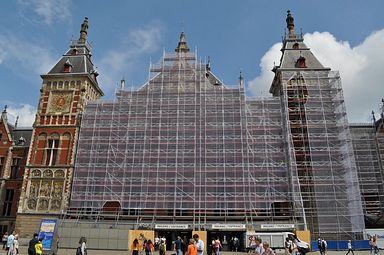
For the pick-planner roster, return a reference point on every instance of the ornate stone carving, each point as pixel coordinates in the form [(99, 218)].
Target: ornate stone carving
[(45, 190), (48, 173), (31, 204), (60, 102), (59, 174), (34, 189), (57, 190), (36, 173), (55, 204), (43, 204)]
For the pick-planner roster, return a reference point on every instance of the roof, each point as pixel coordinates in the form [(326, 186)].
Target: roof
[(22, 132)]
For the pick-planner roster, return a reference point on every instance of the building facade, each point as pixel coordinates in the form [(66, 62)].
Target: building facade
[(187, 152), (66, 89), (368, 144), (187, 148), (14, 144)]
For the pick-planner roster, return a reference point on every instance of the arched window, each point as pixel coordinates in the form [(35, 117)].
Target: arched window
[(52, 147)]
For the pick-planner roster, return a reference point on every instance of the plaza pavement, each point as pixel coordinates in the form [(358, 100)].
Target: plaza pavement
[(23, 251)]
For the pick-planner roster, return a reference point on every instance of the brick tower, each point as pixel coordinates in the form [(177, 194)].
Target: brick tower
[(65, 91)]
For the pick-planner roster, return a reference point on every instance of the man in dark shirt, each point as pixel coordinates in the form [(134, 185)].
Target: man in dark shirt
[(178, 245), (31, 245)]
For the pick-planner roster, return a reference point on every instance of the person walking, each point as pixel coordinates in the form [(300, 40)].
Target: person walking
[(4, 240), (10, 240), (83, 245), (320, 246), (162, 248), (217, 246), (324, 246), (374, 244), (350, 248), (191, 247), (32, 243), (258, 246), (267, 249), (39, 247), (199, 244), (135, 246), (149, 247), (16, 245), (178, 245), (371, 243)]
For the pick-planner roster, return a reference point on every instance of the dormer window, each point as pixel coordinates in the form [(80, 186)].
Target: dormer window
[(300, 63), (67, 67), (74, 51), (296, 46), (94, 73)]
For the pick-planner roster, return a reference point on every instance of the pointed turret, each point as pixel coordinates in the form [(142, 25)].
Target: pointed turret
[(4, 115), (84, 31), (241, 79), (182, 46), (290, 25)]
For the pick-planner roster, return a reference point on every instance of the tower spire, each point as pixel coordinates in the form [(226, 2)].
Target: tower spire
[(84, 31), (290, 25), (241, 79), (182, 46)]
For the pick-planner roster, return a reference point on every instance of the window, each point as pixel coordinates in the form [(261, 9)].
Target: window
[(15, 168), (8, 202), (53, 145)]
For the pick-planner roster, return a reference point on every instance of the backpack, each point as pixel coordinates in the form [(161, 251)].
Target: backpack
[(78, 251), (161, 247), (148, 248)]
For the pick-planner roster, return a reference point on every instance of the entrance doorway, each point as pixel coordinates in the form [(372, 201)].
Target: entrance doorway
[(171, 236), (230, 240)]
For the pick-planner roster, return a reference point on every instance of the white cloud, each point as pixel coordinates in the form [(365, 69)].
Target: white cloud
[(120, 61), (25, 112), (48, 11), (360, 69), (23, 56)]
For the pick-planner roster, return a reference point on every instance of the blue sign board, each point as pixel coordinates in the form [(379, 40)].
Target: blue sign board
[(47, 232)]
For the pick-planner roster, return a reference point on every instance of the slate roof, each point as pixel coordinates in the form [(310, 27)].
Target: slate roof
[(24, 132)]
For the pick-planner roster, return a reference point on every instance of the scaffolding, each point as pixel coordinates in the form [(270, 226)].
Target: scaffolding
[(321, 153), (184, 147), (367, 147)]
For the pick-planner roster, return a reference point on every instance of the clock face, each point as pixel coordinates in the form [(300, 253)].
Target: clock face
[(60, 102)]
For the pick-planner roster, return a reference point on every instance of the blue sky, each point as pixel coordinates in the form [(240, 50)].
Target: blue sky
[(345, 35)]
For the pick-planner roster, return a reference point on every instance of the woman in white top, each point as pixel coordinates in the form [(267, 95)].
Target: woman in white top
[(16, 245)]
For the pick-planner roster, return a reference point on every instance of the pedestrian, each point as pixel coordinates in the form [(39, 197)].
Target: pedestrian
[(4, 240), (371, 243), (10, 240), (39, 247), (324, 246), (288, 246), (162, 248), (319, 245), (217, 246), (32, 243), (258, 246), (16, 245), (236, 243), (178, 245), (374, 244), (350, 248), (267, 249), (148, 247), (135, 247), (199, 244), (83, 245), (191, 247)]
